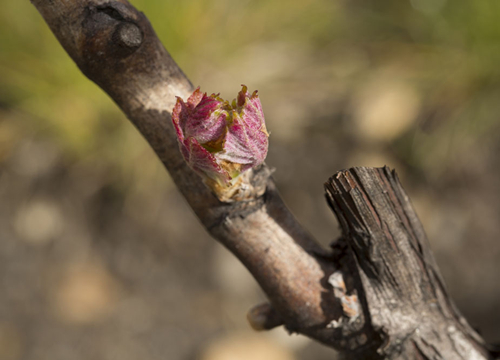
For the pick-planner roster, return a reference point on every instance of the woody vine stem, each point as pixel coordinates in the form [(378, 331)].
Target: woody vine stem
[(377, 295)]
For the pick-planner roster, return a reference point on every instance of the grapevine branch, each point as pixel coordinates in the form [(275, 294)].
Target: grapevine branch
[(377, 295)]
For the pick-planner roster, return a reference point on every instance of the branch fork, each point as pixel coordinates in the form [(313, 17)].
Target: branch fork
[(377, 295)]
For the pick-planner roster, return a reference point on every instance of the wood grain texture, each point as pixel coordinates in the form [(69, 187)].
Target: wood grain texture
[(406, 307)]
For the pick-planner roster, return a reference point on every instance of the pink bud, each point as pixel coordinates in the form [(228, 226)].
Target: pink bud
[(220, 140)]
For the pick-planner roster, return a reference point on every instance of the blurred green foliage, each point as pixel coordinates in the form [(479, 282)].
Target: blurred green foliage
[(449, 51)]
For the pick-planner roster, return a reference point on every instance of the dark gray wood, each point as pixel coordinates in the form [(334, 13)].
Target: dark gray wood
[(406, 309)]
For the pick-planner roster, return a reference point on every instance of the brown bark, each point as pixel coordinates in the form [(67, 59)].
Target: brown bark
[(116, 47), (378, 296), (405, 305)]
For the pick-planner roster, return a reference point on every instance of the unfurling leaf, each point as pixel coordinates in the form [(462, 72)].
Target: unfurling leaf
[(221, 140)]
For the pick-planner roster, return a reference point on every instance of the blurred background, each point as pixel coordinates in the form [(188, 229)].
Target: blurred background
[(100, 257)]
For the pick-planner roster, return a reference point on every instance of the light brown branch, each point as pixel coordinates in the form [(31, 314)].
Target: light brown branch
[(115, 46)]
